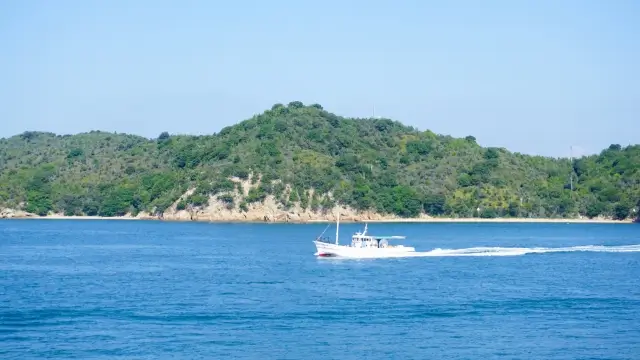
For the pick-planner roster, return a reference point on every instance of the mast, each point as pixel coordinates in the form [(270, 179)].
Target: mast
[(337, 226)]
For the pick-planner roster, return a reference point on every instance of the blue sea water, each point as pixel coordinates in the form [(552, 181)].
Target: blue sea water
[(157, 290)]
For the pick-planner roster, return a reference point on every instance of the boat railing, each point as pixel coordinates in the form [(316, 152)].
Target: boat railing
[(323, 239)]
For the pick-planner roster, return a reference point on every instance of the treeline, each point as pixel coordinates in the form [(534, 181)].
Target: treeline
[(375, 164)]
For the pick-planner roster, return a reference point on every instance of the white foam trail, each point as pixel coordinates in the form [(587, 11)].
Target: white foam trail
[(507, 251)]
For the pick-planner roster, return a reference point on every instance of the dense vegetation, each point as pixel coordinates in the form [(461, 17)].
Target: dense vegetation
[(373, 164)]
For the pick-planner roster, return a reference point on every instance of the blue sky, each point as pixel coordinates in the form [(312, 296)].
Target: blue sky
[(531, 76)]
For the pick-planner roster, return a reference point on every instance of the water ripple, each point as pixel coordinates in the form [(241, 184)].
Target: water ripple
[(144, 290)]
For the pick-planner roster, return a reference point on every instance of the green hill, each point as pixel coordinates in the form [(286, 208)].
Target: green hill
[(375, 164)]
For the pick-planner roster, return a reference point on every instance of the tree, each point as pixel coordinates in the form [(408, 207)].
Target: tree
[(296, 105), (434, 204), (621, 211)]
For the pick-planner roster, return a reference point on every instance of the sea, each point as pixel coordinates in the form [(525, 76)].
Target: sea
[(103, 289)]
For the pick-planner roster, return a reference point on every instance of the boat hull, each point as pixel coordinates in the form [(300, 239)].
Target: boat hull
[(332, 250)]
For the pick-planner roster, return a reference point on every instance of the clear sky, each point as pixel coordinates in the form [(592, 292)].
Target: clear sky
[(531, 76)]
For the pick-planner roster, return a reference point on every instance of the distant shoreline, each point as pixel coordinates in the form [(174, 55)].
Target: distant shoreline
[(346, 221)]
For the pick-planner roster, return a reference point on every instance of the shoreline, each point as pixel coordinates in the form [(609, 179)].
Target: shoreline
[(344, 221)]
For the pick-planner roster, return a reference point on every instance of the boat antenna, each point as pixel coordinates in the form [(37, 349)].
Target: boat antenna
[(337, 226)]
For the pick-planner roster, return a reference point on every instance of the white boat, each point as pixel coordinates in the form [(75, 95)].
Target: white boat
[(362, 245)]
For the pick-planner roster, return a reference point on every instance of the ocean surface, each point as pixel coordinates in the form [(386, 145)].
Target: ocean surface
[(103, 289)]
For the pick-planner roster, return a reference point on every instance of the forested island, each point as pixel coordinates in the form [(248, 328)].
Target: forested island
[(301, 163)]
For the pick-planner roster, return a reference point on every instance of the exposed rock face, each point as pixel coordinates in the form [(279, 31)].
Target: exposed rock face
[(269, 210), (10, 213)]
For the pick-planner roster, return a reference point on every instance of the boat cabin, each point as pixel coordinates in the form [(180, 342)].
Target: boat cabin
[(361, 240)]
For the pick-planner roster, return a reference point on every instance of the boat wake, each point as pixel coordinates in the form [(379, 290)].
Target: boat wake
[(506, 251)]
